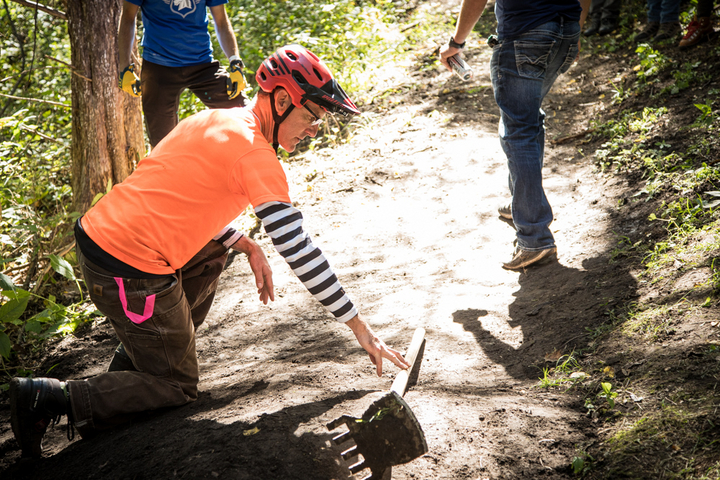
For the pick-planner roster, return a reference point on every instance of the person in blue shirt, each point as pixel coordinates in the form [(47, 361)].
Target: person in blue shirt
[(535, 42), (177, 55)]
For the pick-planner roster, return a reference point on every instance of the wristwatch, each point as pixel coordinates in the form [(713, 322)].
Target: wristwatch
[(454, 44)]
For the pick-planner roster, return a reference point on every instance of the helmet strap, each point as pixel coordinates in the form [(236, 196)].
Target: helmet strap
[(278, 119)]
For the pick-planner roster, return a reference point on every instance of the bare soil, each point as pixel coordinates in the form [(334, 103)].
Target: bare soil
[(406, 213)]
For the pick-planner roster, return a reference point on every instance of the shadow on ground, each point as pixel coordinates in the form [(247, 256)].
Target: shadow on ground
[(209, 448)]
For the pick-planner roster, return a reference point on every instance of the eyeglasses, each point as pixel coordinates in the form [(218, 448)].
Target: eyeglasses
[(318, 121)]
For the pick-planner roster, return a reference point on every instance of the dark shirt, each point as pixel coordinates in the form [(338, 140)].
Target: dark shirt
[(104, 260), (518, 16)]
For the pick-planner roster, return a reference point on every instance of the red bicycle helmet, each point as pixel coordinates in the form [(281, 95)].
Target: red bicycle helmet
[(305, 77)]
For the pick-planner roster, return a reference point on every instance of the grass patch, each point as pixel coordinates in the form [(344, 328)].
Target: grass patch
[(677, 433)]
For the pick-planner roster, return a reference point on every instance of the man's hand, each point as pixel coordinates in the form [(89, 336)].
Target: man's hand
[(374, 346), (260, 267), (236, 83), (446, 51), (129, 81)]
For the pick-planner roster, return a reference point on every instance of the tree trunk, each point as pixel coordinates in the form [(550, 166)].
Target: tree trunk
[(107, 130)]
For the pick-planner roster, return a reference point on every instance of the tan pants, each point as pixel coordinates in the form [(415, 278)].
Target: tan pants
[(156, 320)]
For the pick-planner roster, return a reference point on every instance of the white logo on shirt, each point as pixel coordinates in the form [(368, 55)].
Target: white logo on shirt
[(182, 7)]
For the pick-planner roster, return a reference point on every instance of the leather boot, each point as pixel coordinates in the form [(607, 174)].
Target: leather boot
[(592, 26), (699, 29), (34, 404)]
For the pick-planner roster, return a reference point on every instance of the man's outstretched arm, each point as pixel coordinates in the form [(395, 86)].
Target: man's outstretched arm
[(283, 224)]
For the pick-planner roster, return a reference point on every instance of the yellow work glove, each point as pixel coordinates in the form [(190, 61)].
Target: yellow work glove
[(129, 81), (236, 83)]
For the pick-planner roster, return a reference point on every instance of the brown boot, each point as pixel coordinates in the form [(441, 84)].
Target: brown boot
[(699, 29), (667, 31)]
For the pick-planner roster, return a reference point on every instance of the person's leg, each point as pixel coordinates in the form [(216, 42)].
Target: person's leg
[(611, 9), (209, 83), (596, 8), (704, 8), (161, 347), (609, 17), (200, 278), (669, 21), (670, 11), (161, 90), (522, 72), (152, 319), (592, 24), (654, 9)]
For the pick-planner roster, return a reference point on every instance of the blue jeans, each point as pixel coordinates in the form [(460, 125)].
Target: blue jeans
[(523, 70), (663, 11)]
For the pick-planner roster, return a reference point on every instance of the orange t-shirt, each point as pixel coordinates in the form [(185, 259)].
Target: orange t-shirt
[(195, 182)]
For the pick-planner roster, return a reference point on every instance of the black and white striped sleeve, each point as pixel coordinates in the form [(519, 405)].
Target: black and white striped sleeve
[(283, 223), (228, 236)]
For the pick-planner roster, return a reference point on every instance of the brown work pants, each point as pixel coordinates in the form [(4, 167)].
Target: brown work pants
[(162, 87), (156, 320)]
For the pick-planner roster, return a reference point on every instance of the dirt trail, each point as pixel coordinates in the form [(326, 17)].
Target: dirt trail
[(406, 213)]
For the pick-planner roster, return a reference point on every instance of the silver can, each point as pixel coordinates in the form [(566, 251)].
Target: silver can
[(460, 67)]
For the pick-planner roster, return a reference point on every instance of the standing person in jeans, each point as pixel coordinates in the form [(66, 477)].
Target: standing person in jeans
[(663, 21), (535, 42), (177, 54), (152, 249)]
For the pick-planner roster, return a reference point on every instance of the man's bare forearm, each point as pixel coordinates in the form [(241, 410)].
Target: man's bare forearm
[(126, 34), (224, 31), (470, 13)]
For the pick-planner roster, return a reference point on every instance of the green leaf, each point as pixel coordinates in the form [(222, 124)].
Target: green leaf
[(62, 266), (44, 316), (13, 309), (578, 463), (17, 294), (5, 345), (96, 198), (6, 283), (32, 326)]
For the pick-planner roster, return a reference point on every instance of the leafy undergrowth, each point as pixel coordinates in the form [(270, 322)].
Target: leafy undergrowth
[(650, 374)]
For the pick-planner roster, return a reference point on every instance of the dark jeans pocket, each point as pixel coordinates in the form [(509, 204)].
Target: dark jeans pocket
[(532, 58), (570, 58)]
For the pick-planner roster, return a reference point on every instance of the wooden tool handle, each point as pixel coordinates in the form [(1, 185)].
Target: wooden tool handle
[(401, 381)]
